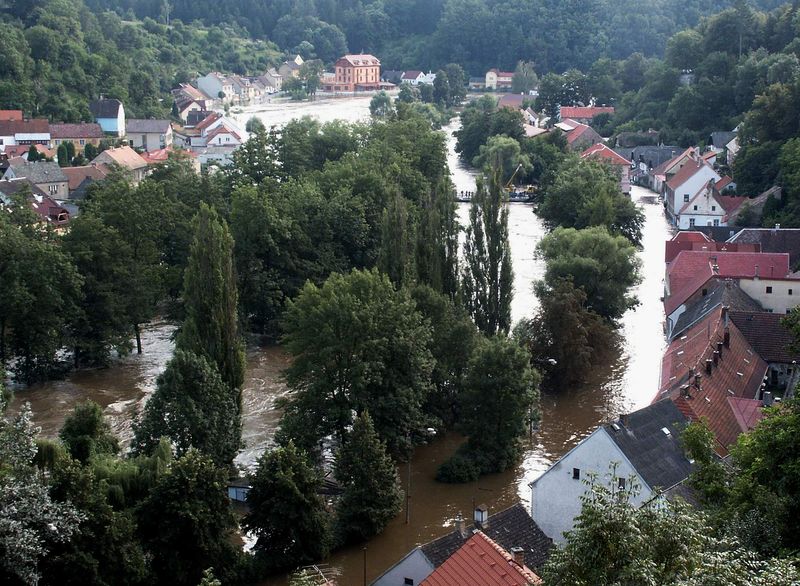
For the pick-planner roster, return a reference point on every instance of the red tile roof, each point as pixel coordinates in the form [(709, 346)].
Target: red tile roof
[(584, 111), (49, 211), (511, 101), (411, 74), (690, 236), (686, 172), (10, 114), (723, 183), (691, 268), (481, 562), (77, 175), (360, 60), (601, 151), (34, 126), (162, 155), (674, 247), (83, 130), (208, 121), (729, 202), (738, 375)]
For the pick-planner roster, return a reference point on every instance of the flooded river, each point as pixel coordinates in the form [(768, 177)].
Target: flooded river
[(626, 382)]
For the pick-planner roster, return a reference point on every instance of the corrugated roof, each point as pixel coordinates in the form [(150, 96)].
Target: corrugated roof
[(481, 562)]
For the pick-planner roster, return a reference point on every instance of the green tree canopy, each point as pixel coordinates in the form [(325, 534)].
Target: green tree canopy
[(86, 432)]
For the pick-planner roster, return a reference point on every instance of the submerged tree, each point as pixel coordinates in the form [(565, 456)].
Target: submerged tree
[(86, 432), (372, 495), (487, 277)]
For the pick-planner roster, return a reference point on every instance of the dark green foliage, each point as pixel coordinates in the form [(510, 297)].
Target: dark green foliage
[(254, 124), (358, 345), (604, 266), (286, 514), (436, 257), (371, 494), (186, 522), (381, 105), (396, 256), (487, 276), (193, 408), (499, 398), (482, 119), (85, 433), (61, 152), (210, 297)]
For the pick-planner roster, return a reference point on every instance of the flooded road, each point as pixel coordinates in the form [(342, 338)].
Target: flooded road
[(627, 381)]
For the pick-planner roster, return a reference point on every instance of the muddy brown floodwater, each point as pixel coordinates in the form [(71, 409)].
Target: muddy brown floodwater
[(627, 381)]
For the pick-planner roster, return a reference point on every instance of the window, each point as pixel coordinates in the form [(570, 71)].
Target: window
[(713, 208), (82, 141), (685, 198), (769, 289), (716, 222), (576, 473), (790, 291), (695, 208), (621, 483), (691, 222), (408, 581), (705, 292)]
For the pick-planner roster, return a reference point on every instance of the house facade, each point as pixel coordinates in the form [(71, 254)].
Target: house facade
[(687, 182), (708, 207), (45, 175), (24, 132), (149, 135), (356, 72), (644, 447), (110, 115), (217, 86), (498, 80), (78, 134), (127, 159)]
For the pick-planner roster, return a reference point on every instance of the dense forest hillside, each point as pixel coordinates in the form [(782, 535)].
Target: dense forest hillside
[(59, 54), (478, 34)]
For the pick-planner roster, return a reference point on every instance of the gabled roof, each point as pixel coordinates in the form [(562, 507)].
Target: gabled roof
[(162, 155), (411, 74), (39, 172), (686, 172), (658, 457), (719, 292), (773, 240), (10, 187), (601, 151), (738, 374), (723, 183), (123, 156), (222, 129), (33, 126), (767, 335), (667, 165), (512, 527), (77, 175), (691, 268), (208, 120), (10, 114), (135, 125), (82, 130), (720, 138), (49, 211), (481, 562), (105, 108), (511, 101), (584, 111)]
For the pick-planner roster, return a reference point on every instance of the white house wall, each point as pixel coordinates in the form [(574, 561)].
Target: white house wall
[(556, 496), (691, 186), (785, 295), (414, 567)]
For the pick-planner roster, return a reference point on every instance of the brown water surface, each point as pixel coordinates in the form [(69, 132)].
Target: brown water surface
[(626, 382)]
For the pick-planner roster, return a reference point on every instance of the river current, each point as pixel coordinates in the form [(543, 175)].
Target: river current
[(628, 380)]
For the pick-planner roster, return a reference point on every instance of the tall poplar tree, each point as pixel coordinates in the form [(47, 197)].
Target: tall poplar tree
[(437, 241), (210, 298), (487, 281)]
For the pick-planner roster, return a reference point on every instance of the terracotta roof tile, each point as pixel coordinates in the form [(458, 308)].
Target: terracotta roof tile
[(82, 130), (601, 151), (738, 374), (10, 114), (584, 111), (77, 175), (481, 562), (34, 126), (767, 335), (686, 172), (123, 156)]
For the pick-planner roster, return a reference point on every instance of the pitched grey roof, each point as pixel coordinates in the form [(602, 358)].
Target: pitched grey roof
[(720, 138), (651, 155), (10, 187), (719, 233), (657, 456), (512, 527), (105, 108), (719, 292), (39, 172), (773, 240), (135, 125)]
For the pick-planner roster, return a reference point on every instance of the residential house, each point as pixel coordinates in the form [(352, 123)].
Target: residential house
[(222, 136), (110, 115), (708, 207), (392, 76), (688, 273), (696, 240), (49, 211), (127, 159), (149, 135), (686, 183), (719, 140), (732, 149), (80, 178), (7, 115), (579, 136), (583, 114), (513, 101), (272, 80), (482, 562), (776, 294), (498, 80), (775, 239), (22, 150), (24, 132), (162, 156), (773, 342), (644, 447), (512, 528), (412, 77), (78, 134), (601, 152), (46, 175), (356, 73), (712, 372), (666, 170), (217, 86), (185, 106), (291, 67)]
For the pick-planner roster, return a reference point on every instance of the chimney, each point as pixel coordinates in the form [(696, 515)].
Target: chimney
[(460, 525), (768, 400), (623, 419), (708, 366), (725, 315), (481, 516), (719, 349), (697, 378), (519, 556), (726, 337), (716, 357)]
